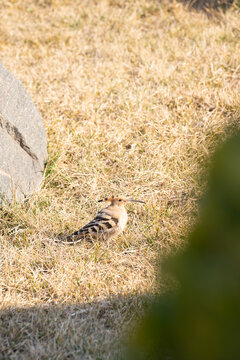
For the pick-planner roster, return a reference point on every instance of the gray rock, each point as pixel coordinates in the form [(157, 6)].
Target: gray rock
[(23, 143)]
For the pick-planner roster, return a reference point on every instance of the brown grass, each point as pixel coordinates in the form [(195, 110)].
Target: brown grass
[(133, 95)]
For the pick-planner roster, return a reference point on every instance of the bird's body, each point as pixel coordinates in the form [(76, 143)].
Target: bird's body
[(108, 222)]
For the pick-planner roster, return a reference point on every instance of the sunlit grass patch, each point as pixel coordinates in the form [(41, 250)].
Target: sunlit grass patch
[(134, 96)]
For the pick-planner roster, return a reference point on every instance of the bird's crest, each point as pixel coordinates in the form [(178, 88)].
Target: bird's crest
[(113, 199), (117, 199)]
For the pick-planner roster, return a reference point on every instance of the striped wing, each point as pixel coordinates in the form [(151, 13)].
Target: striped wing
[(102, 226)]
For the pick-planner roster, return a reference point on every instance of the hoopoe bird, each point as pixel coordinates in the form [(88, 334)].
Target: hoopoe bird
[(108, 222)]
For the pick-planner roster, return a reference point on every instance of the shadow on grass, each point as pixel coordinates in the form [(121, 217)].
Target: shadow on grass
[(92, 330), (208, 5)]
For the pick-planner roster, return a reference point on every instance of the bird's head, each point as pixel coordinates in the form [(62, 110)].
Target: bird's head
[(119, 201)]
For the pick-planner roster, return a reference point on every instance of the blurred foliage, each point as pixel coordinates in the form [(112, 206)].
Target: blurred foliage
[(200, 318)]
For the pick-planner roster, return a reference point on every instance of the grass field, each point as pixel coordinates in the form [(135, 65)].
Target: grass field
[(134, 96)]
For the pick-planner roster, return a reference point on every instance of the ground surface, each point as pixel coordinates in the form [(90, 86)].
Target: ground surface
[(134, 95)]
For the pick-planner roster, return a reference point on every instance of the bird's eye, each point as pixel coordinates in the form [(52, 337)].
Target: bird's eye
[(120, 200)]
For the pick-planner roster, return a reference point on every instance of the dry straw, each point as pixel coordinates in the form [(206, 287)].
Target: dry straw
[(133, 96)]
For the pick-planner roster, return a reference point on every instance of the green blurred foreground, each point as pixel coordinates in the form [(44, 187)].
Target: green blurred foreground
[(200, 320)]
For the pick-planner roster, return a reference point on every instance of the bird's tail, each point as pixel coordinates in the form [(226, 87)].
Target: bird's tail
[(72, 239)]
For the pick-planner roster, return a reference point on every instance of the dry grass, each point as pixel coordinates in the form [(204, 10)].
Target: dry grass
[(133, 97)]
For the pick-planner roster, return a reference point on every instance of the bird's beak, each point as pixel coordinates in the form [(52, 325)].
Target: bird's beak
[(139, 201)]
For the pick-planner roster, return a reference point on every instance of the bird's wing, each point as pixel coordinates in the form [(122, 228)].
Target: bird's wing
[(102, 224)]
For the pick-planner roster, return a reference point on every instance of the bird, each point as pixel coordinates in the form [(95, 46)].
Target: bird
[(108, 222)]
